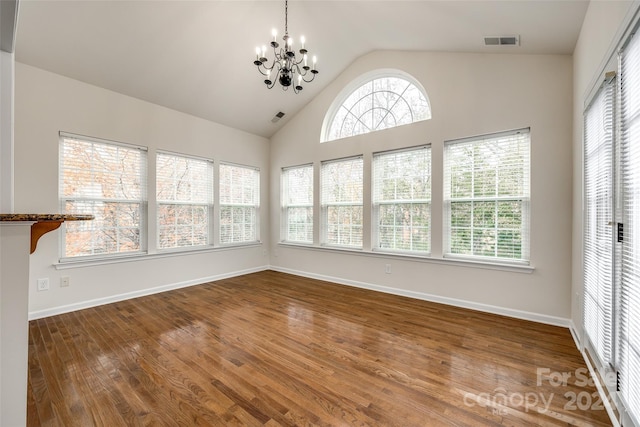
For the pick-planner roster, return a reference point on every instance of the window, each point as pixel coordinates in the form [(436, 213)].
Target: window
[(402, 200), (108, 180), (184, 193), (297, 204), (381, 103), (611, 231), (341, 202), (598, 217), (239, 203), (486, 197), (629, 315)]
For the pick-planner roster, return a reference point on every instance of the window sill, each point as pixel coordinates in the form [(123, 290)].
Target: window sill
[(516, 268), (166, 253)]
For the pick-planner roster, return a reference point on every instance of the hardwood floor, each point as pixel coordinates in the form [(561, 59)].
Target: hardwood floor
[(274, 349)]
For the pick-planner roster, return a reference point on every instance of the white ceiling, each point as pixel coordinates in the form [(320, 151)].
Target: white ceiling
[(197, 56)]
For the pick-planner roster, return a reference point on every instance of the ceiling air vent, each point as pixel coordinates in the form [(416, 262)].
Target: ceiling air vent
[(502, 41), (277, 117)]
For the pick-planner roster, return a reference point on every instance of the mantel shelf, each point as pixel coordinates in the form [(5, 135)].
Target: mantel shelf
[(43, 223)]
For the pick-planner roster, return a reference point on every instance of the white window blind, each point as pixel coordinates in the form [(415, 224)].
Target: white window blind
[(297, 204), (598, 221), (107, 180), (239, 203), (402, 200), (629, 325), (184, 193), (341, 202), (486, 197)]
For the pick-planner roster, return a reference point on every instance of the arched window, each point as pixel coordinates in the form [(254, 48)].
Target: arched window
[(377, 101)]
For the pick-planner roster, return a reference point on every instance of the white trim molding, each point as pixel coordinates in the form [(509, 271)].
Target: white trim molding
[(518, 314), (33, 315)]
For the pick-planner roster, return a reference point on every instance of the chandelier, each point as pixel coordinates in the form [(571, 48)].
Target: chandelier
[(287, 68)]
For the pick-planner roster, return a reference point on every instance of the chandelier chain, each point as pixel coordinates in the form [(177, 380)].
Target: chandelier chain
[(286, 17)]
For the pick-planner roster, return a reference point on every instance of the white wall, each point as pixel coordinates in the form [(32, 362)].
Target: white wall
[(6, 131), (470, 94), (603, 26), (47, 103)]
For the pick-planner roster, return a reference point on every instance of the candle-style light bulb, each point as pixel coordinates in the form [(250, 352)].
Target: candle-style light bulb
[(264, 50), (302, 40), (257, 53), (305, 59), (299, 79), (290, 41), (314, 61), (274, 33)]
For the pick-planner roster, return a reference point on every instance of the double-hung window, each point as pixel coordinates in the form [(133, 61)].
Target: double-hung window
[(239, 188), (297, 204), (402, 200), (108, 180), (184, 193), (486, 197), (341, 202)]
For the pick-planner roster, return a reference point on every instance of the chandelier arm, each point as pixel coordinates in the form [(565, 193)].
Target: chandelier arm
[(304, 74), (297, 69), (276, 54), (270, 81), (313, 76), (273, 83), (264, 73), (264, 69)]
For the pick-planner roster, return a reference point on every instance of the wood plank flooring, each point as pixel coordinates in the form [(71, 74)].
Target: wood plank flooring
[(271, 349)]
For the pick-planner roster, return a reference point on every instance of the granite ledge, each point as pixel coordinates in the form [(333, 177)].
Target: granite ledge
[(43, 223), (44, 217)]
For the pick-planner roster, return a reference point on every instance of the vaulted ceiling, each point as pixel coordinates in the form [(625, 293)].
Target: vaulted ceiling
[(196, 56)]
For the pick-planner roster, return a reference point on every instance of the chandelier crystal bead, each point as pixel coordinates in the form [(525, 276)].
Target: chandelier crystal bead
[(286, 66)]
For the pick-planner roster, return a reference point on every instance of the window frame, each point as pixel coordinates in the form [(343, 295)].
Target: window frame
[(524, 199), (377, 203), (253, 207), (285, 206), (208, 205), (142, 201)]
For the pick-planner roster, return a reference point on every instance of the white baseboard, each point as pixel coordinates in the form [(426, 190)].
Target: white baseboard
[(129, 295), (601, 388), (518, 314), (574, 335)]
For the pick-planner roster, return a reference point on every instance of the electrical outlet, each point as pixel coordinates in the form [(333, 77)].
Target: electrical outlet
[(43, 284), (387, 268), (64, 282)]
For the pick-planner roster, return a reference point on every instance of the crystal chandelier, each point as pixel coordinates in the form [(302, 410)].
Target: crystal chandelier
[(286, 68)]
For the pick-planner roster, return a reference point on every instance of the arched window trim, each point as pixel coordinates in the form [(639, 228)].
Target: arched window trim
[(357, 83)]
